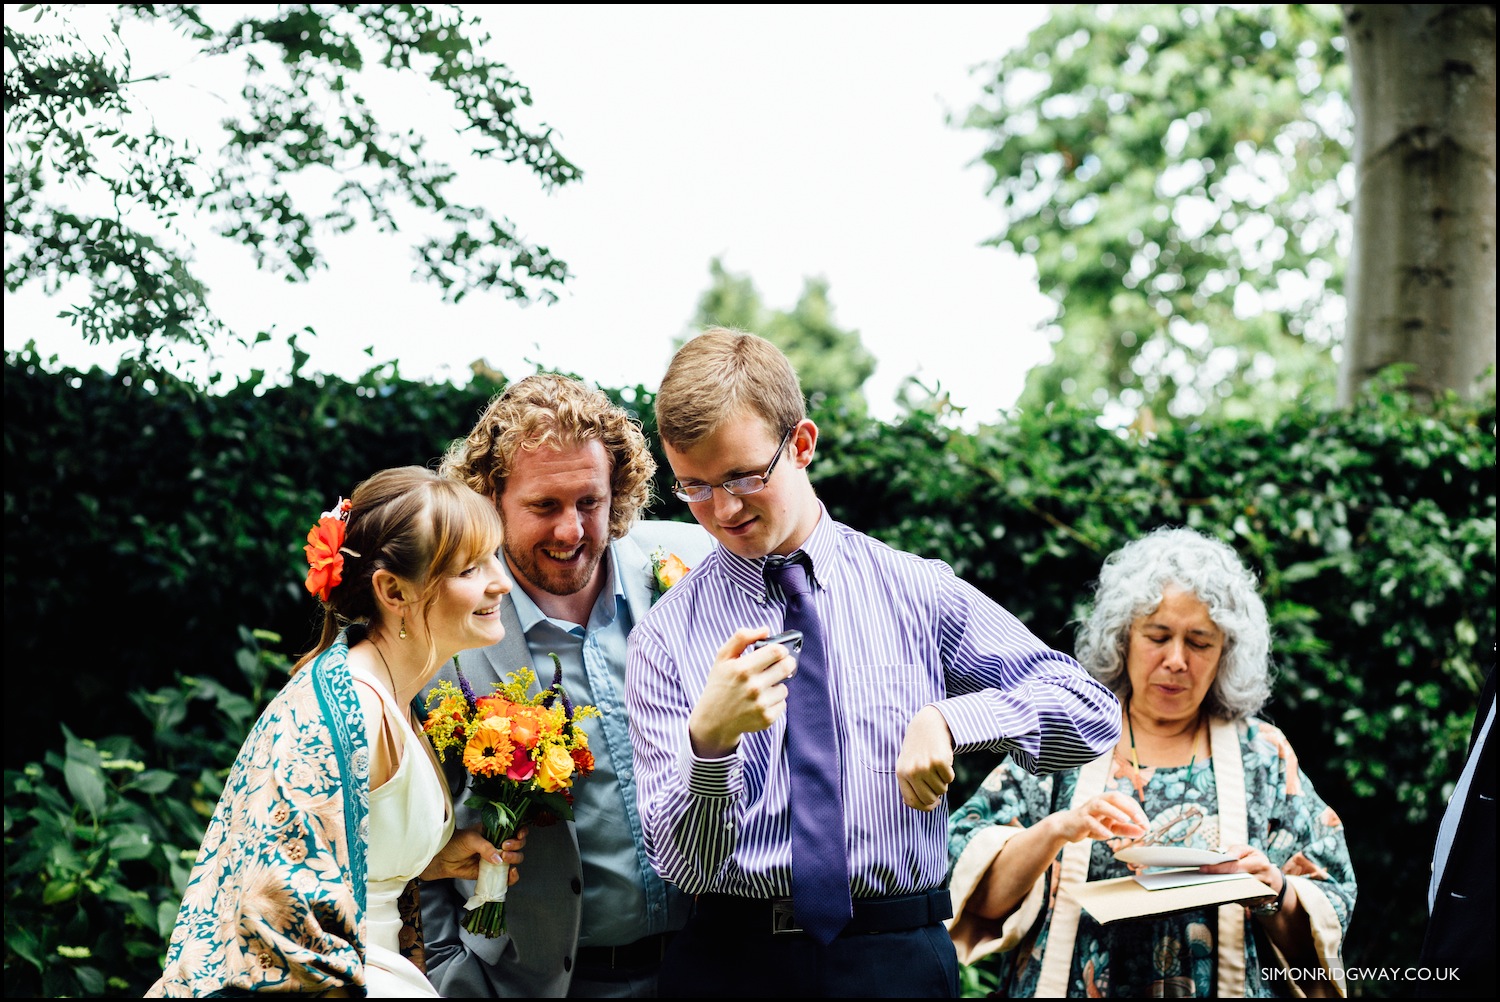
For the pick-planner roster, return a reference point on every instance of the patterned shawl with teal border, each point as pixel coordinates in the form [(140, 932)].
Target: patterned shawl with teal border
[(276, 899)]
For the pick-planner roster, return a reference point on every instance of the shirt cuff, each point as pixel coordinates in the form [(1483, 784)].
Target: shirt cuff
[(712, 777), (975, 721)]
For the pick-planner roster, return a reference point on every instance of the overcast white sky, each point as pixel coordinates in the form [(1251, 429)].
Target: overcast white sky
[(792, 141)]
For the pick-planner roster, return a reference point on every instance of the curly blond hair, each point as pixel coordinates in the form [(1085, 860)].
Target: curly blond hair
[(558, 411)]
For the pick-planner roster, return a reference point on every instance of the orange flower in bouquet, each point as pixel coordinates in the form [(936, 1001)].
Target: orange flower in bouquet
[(523, 753)]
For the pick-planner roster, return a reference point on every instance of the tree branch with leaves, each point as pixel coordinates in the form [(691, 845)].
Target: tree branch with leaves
[(107, 188)]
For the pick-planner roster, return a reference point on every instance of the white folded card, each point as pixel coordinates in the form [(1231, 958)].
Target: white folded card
[(1157, 880), (1164, 855)]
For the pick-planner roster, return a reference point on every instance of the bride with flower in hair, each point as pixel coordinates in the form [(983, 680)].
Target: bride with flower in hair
[(336, 807)]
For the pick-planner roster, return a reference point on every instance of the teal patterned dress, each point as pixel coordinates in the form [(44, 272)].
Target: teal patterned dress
[(1173, 955)]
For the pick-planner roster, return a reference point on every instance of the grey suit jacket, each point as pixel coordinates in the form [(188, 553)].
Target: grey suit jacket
[(536, 956)]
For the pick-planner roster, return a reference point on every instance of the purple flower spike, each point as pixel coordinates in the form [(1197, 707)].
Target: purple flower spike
[(555, 689), (557, 685), (463, 684)]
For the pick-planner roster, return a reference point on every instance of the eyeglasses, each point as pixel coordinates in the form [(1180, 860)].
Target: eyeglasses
[(1178, 829), (739, 486)]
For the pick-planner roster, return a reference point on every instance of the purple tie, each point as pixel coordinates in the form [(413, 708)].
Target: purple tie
[(820, 865)]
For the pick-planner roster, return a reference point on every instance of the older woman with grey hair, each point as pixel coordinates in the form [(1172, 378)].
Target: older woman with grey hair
[(1178, 631)]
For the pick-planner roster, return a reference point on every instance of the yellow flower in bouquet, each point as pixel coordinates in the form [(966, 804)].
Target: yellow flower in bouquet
[(555, 771), (523, 753)]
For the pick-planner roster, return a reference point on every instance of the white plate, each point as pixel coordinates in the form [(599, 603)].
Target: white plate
[(1160, 855)]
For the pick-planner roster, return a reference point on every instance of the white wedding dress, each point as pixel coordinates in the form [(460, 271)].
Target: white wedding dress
[(411, 818)]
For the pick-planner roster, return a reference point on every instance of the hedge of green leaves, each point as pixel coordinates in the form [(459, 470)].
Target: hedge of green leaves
[(150, 528)]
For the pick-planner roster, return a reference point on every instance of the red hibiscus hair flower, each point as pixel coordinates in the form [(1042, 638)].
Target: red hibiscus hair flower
[(325, 562)]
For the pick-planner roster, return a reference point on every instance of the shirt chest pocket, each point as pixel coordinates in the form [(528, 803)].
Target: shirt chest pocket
[(878, 704)]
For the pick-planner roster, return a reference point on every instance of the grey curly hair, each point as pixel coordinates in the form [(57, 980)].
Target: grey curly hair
[(1131, 584)]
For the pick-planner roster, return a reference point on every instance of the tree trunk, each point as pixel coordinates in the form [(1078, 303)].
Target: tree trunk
[(1421, 282)]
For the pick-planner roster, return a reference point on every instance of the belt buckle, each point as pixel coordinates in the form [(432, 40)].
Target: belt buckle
[(782, 919)]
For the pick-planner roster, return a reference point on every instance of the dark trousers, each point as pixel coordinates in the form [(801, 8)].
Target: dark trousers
[(714, 957)]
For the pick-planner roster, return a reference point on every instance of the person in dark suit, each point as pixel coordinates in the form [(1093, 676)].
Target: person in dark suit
[(1459, 948)]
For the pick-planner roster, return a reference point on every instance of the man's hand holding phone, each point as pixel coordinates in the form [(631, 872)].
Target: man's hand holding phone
[(790, 639), (745, 691)]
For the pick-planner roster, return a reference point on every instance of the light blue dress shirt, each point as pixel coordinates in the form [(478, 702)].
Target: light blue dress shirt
[(623, 898)]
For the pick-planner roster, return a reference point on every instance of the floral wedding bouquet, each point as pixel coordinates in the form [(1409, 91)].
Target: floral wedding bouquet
[(523, 754)]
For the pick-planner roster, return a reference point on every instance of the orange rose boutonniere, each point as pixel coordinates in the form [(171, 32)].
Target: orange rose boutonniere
[(667, 569)]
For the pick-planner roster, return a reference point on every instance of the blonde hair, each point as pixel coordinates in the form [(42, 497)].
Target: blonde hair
[(720, 373), (415, 524), (548, 409)]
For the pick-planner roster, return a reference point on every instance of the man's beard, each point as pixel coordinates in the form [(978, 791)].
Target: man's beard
[(551, 578)]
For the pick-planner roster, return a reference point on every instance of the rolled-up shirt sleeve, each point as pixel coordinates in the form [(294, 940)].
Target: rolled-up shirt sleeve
[(1009, 692)]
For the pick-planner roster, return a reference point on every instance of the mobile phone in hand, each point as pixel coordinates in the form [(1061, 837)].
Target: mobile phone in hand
[(790, 639)]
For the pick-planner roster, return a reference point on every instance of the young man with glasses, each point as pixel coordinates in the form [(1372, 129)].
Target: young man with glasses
[(913, 663)]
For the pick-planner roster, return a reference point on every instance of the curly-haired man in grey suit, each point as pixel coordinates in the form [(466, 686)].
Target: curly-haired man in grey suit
[(569, 472)]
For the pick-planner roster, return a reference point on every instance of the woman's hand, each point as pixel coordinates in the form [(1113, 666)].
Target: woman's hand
[(461, 856), (1030, 851), (1109, 815), (1252, 861), (1289, 926)]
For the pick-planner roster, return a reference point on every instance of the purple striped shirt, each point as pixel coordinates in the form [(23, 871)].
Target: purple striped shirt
[(902, 633)]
